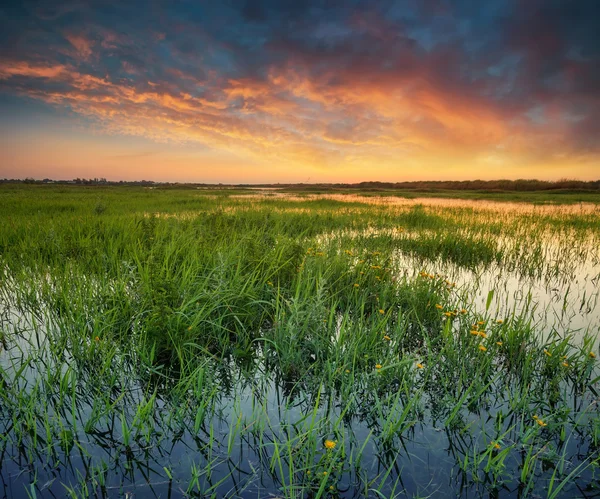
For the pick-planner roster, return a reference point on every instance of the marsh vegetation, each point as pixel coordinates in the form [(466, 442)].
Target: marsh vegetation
[(219, 343)]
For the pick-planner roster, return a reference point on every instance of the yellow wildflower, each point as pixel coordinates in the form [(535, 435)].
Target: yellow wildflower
[(356, 285), (97, 338), (474, 332), (324, 473), (438, 306), (448, 314), (347, 371), (495, 445), (381, 311), (541, 423), (378, 366), (547, 353), (387, 338), (330, 444), (592, 355), (482, 348), (499, 343), (419, 366), (480, 323), (463, 311), (499, 321), (565, 363), (375, 267), (482, 334)]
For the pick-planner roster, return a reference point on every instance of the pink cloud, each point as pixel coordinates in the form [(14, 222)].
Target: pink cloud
[(82, 45)]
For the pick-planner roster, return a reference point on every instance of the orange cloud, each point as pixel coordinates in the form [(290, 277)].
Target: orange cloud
[(8, 69), (82, 45), (292, 119)]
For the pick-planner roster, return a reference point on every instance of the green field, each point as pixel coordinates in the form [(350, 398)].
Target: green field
[(238, 343)]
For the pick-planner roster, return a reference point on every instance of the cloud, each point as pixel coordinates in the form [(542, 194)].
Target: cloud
[(322, 82), (82, 45)]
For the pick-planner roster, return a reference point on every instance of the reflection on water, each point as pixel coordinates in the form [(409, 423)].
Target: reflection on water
[(562, 303), (245, 444), (559, 288), (109, 428), (259, 434), (478, 205)]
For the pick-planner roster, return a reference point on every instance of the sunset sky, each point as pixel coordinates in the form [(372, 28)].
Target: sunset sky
[(300, 91)]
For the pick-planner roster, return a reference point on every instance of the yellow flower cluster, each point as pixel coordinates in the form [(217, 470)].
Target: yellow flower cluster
[(330, 444), (312, 252)]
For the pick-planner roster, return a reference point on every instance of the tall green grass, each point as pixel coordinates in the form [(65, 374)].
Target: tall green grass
[(218, 345)]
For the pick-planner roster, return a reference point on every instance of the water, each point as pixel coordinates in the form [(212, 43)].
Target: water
[(560, 293), (232, 452), (566, 304), (244, 430)]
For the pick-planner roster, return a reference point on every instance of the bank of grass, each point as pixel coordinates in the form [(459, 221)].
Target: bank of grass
[(280, 345)]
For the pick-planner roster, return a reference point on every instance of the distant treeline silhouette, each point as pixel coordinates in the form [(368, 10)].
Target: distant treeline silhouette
[(522, 185), (464, 185)]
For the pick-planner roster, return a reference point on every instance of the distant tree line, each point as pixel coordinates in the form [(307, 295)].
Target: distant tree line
[(464, 185), (425, 185), (77, 181)]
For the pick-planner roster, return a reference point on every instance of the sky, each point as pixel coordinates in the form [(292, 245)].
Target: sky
[(240, 91)]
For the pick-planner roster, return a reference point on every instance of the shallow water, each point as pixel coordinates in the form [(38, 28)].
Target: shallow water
[(421, 461), (258, 426), (560, 295), (233, 449), (564, 304)]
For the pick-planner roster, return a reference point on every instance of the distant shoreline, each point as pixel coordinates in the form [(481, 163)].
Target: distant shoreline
[(427, 186)]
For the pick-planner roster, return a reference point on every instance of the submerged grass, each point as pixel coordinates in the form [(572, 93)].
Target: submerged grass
[(203, 344)]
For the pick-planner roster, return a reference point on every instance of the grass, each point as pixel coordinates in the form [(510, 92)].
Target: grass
[(212, 343)]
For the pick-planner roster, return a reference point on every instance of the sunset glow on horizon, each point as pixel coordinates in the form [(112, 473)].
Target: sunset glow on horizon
[(308, 91)]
